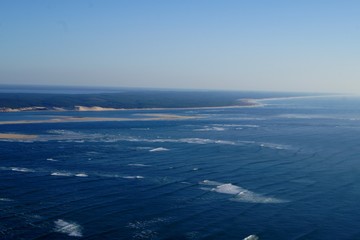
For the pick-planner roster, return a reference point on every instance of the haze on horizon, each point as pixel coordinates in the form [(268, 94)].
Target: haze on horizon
[(238, 45)]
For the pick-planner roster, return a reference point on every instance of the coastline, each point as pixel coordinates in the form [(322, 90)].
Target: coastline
[(66, 119), (242, 103)]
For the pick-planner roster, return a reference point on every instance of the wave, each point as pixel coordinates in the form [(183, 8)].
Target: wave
[(20, 169), (146, 229), (6, 200), (138, 165), (70, 228), (305, 116), (159, 149), (62, 132), (274, 146), (237, 125), (64, 173), (133, 177), (61, 174), (251, 237), (69, 174), (81, 175), (240, 194), (51, 159), (207, 128), (80, 138)]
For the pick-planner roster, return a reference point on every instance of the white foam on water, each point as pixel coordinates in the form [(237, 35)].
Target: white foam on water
[(181, 140), (51, 159), (240, 194), (81, 175), (305, 116), (20, 169), (274, 146), (251, 237), (237, 125), (159, 149), (147, 223), (62, 174), (6, 200), (195, 169), (228, 188), (207, 128), (210, 183), (133, 177), (138, 165), (204, 141), (70, 228), (62, 132)]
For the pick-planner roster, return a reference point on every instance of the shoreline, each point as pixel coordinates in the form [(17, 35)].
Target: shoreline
[(67, 119), (243, 103)]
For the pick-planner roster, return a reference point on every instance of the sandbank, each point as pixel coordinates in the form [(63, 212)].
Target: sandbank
[(16, 136), (64, 119)]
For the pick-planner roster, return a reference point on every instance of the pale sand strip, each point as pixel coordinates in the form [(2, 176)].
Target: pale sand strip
[(62, 119), (16, 136)]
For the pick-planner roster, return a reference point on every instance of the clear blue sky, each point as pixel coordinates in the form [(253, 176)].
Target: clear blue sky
[(307, 45)]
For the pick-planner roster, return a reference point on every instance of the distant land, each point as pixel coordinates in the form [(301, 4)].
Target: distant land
[(32, 98)]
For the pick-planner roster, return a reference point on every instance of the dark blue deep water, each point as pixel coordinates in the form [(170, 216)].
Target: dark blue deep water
[(287, 170)]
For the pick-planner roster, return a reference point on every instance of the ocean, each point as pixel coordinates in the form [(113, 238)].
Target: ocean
[(289, 169)]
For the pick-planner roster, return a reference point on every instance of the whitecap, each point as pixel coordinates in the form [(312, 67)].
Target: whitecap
[(51, 159), (81, 175), (211, 183), (210, 129), (159, 149), (274, 146), (6, 200), (251, 237), (62, 174), (133, 177), (238, 125), (240, 194), (70, 228), (62, 132), (20, 169), (138, 165)]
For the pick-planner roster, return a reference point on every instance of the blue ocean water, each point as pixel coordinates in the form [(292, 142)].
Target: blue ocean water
[(286, 170)]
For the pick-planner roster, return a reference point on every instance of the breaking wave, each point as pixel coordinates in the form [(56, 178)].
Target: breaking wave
[(70, 228), (17, 169), (6, 200), (251, 237), (51, 160), (160, 149), (207, 128), (133, 177), (138, 165), (61, 174), (240, 194), (68, 174)]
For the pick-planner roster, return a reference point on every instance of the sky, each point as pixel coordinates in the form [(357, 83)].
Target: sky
[(258, 45)]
